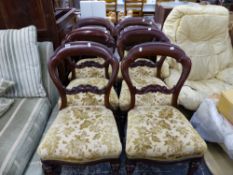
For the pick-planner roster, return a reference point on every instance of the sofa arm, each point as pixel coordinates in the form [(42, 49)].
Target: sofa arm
[(46, 51)]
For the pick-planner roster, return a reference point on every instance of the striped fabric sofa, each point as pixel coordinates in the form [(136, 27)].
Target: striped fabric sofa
[(22, 126)]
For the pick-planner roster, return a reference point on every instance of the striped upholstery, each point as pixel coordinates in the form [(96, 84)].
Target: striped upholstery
[(35, 165), (20, 62), (46, 51), (20, 131), (5, 104)]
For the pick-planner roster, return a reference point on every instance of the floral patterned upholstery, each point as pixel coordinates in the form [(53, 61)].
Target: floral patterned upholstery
[(87, 99), (139, 72), (161, 133), (80, 135), (148, 99), (89, 72)]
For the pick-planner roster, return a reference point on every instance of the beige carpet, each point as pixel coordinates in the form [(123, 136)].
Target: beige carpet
[(217, 160)]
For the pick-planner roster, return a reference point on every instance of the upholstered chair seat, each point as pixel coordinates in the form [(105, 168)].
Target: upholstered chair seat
[(85, 130), (89, 98), (88, 72), (81, 134), (146, 99), (161, 133)]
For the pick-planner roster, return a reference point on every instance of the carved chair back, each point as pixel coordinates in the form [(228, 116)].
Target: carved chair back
[(134, 35), (134, 21), (96, 21), (65, 51), (91, 34), (148, 50)]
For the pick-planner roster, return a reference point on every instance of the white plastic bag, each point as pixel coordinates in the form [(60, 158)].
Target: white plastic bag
[(212, 126)]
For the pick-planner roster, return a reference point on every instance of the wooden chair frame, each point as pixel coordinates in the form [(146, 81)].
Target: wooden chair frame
[(96, 21), (72, 49), (91, 34), (134, 21), (130, 37), (134, 35), (52, 167), (148, 50), (98, 35)]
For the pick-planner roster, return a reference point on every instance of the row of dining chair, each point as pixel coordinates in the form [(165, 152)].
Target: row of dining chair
[(86, 129)]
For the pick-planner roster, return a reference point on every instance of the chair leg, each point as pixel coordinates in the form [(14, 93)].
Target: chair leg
[(193, 166), (49, 169), (130, 168), (115, 168)]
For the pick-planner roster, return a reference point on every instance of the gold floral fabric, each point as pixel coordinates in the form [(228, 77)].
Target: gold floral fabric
[(87, 99), (80, 135), (142, 71), (138, 72), (89, 72), (147, 99), (161, 133)]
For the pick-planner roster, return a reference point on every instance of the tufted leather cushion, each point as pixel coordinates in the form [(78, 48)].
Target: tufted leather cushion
[(161, 133), (148, 99), (80, 135), (90, 99)]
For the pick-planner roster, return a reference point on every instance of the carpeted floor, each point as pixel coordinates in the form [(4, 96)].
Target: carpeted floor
[(141, 169)]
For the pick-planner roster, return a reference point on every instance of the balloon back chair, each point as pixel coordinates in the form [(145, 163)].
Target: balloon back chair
[(159, 134), (81, 134), (96, 22), (90, 69), (144, 70), (99, 35), (134, 35), (134, 21)]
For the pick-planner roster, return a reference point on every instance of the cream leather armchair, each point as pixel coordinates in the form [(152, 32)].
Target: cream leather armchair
[(202, 32)]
